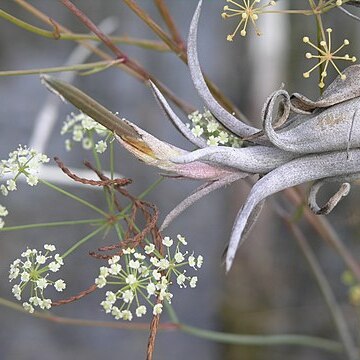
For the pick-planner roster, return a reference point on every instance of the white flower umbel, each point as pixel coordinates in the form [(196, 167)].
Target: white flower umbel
[(33, 270), (205, 125), (82, 129), (143, 276), (21, 162)]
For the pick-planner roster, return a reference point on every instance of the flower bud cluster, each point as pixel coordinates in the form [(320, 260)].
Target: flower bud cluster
[(83, 128), (205, 125)]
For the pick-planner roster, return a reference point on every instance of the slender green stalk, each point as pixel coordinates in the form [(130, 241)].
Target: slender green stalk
[(82, 322), (263, 340), (146, 44), (141, 196), (83, 240), (325, 230), (74, 197), (98, 167), (329, 296), (98, 64), (150, 188), (169, 21), (171, 312), (254, 340), (52, 224)]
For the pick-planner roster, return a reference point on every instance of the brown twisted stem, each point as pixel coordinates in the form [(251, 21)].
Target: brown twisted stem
[(108, 182), (79, 296)]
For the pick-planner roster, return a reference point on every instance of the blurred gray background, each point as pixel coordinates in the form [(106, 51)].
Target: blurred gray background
[(270, 289)]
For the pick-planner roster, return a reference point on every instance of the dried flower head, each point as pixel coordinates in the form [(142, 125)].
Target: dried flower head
[(247, 11), (326, 55)]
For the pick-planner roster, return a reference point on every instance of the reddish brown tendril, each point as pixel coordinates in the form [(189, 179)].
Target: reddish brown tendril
[(132, 238), (80, 295), (107, 182)]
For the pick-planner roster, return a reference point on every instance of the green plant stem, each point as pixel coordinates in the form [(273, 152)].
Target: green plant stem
[(169, 21), (82, 322), (171, 312), (255, 340), (135, 70), (180, 51), (146, 44), (52, 224), (98, 64), (74, 197), (83, 240), (98, 167), (329, 297), (323, 227), (141, 196), (320, 34), (263, 340), (118, 228)]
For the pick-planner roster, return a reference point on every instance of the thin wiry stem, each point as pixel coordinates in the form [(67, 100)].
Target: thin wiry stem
[(329, 297), (323, 227), (82, 322), (178, 50), (263, 340), (357, 18), (58, 35), (99, 65), (186, 108), (165, 13), (254, 340), (52, 224)]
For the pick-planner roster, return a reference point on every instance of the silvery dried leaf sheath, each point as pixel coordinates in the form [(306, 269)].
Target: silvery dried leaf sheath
[(301, 140)]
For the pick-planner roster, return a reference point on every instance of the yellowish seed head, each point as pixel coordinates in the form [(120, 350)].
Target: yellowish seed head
[(308, 55), (306, 75), (229, 38), (306, 39), (243, 32), (343, 76)]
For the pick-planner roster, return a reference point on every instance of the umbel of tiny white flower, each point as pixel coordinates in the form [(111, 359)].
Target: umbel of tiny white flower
[(247, 11), (206, 126), (83, 128), (143, 276), (22, 161), (33, 270), (326, 55)]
